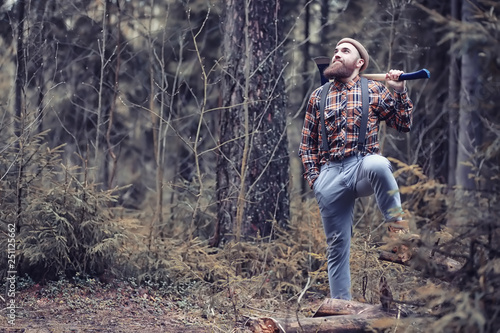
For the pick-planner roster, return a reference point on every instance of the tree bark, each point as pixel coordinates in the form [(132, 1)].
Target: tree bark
[(21, 70), (325, 10), (469, 135), (440, 263), (453, 106), (337, 307), (20, 108), (355, 322), (253, 165), (304, 186)]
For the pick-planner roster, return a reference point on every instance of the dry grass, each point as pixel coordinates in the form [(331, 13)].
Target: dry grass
[(223, 286)]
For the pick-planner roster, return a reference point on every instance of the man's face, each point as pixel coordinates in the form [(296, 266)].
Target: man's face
[(345, 60)]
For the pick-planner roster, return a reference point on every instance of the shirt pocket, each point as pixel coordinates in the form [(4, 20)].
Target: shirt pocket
[(355, 116), (333, 120), (371, 121)]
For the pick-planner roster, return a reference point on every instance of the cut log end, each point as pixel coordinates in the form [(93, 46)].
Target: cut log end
[(263, 325)]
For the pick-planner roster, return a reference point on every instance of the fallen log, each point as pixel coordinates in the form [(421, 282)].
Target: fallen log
[(419, 259), (335, 324), (340, 307), (331, 324), (341, 316), (409, 250), (333, 315)]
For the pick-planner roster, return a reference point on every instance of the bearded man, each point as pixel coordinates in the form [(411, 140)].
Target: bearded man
[(346, 170)]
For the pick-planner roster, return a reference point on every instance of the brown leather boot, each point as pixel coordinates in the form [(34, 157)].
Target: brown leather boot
[(397, 228), (400, 239)]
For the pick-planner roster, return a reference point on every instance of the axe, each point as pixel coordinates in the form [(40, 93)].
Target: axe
[(323, 62)]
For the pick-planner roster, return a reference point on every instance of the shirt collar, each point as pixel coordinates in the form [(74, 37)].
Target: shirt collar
[(339, 85)]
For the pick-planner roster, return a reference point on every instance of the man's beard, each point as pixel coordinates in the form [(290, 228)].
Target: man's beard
[(337, 70)]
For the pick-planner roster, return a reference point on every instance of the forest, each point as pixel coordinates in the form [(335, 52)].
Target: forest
[(149, 165)]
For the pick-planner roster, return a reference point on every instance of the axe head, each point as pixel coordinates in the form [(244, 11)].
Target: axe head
[(322, 63)]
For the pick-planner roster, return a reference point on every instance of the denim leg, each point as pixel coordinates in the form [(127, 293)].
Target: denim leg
[(336, 203), (375, 176)]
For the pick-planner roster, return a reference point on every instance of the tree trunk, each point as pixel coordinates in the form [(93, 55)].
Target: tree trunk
[(469, 135), (21, 70), (20, 108), (253, 166), (38, 57), (304, 186), (453, 106), (325, 10)]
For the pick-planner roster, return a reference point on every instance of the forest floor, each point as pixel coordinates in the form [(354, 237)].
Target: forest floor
[(202, 293), (99, 308), (121, 307), (96, 307)]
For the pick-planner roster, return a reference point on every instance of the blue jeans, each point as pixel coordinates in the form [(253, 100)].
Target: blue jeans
[(336, 189)]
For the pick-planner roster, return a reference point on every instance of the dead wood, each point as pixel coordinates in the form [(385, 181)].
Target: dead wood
[(338, 307), (333, 315), (421, 258), (331, 324)]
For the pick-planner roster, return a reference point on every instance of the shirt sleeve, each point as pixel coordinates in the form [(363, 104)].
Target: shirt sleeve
[(395, 109), (309, 147)]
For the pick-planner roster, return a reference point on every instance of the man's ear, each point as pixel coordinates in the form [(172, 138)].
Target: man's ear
[(360, 63)]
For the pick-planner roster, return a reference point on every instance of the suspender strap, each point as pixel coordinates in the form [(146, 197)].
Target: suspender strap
[(365, 100), (364, 116), (322, 103)]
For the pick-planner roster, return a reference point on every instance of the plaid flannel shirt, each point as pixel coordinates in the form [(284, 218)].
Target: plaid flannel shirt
[(343, 112)]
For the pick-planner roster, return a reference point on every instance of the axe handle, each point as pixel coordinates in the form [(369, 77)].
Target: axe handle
[(323, 62), (420, 74)]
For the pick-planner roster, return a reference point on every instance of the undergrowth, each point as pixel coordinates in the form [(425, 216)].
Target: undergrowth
[(62, 223), (67, 229), (462, 225)]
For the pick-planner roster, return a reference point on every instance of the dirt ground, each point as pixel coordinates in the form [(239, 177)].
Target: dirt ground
[(97, 308), (113, 320), (121, 307)]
